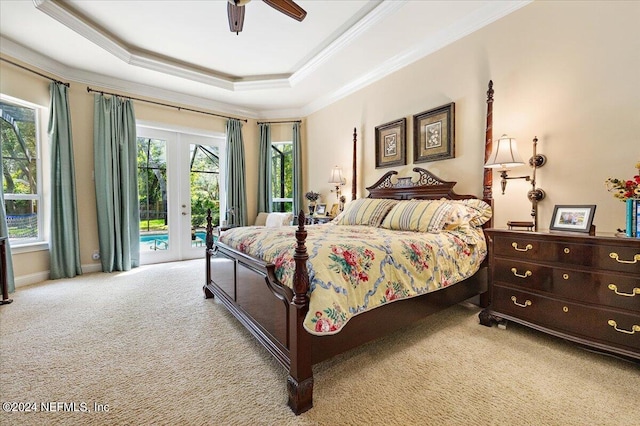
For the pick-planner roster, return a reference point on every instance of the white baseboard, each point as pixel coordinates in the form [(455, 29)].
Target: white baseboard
[(38, 277)]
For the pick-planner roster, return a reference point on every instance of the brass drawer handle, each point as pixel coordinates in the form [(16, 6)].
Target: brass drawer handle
[(565, 276), (525, 275), (614, 288), (635, 328), (522, 305), (617, 258), (526, 248)]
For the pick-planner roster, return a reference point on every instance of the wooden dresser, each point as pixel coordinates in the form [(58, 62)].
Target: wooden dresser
[(579, 287)]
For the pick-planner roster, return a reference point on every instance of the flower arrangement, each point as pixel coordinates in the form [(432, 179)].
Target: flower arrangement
[(312, 196), (625, 189)]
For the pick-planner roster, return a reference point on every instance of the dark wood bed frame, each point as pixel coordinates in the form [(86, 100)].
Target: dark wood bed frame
[(274, 313)]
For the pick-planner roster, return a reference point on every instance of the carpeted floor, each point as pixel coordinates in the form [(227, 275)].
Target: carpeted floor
[(144, 347)]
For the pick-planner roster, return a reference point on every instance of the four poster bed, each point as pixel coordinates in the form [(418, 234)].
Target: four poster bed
[(410, 249)]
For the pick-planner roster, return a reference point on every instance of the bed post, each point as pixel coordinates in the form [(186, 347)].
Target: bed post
[(487, 196), (488, 145), (354, 185), (208, 252), (300, 380)]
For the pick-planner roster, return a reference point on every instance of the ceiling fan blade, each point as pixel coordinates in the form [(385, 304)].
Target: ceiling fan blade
[(236, 17), (288, 7)]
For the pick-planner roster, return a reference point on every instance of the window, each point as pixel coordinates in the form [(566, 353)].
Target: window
[(282, 176), (21, 180)]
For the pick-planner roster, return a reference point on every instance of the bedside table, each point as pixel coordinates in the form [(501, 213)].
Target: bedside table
[(582, 288)]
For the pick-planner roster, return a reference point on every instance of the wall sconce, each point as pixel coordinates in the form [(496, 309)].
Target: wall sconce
[(337, 179), (505, 154)]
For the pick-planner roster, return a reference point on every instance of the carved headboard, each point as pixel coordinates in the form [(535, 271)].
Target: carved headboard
[(427, 187)]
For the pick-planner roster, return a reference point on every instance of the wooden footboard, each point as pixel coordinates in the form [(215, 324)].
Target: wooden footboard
[(273, 313)]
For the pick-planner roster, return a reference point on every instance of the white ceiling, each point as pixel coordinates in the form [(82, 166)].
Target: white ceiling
[(182, 51)]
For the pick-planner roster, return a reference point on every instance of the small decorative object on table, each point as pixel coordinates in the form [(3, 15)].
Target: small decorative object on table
[(628, 191), (312, 196), (334, 210), (512, 224)]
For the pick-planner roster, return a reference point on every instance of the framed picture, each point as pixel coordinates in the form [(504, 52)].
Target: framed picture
[(572, 218), (334, 210), (321, 209), (434, 134), (391, 143)]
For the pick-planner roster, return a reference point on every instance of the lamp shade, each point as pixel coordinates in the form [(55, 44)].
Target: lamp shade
[(504, 154), (336, 176)]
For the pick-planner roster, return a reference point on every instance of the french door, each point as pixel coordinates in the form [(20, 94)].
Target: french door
[(180, 176)]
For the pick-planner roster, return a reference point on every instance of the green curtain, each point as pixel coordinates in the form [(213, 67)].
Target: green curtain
[(64, 246), (235, 185), (116, 181), (298, 200), (4, 233), (265, 200)]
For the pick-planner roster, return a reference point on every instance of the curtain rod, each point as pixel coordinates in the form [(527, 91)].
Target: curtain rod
[(279, 122), (89, 89), (35, 72)]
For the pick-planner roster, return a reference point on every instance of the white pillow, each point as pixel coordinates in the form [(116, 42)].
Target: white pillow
[(275, 220)]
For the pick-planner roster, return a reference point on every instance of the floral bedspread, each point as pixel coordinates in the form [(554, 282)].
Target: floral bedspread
[(353, 269)]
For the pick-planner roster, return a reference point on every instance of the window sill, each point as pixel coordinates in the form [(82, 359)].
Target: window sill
[(30, 247)]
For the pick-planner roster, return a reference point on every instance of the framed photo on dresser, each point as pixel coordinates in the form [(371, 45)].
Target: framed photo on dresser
[(572, 218)]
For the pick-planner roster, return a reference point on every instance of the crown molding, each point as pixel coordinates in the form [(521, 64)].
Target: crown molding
[(132, 56), (128, 55), (377, 14), (465, 26), (75, 76)]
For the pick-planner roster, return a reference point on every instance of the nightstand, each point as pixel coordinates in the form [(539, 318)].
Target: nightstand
[(581, 288)]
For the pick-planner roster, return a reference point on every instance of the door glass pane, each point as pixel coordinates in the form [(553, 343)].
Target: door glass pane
[(282, 176), (152, 193), (204, 166)]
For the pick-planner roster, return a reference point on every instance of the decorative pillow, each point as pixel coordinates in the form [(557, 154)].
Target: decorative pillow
[(478, 212), (419, 216), (275, 220), (365, 211), (261, 219)]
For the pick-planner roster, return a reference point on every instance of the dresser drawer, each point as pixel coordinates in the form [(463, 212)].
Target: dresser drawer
[(607, 289), (607, 326), (613, 257)]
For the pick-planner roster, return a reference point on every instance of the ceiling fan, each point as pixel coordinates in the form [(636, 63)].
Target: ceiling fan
[(235, 11)]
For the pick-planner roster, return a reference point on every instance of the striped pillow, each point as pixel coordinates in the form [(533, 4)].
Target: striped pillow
[(419, 216), (365, 211)]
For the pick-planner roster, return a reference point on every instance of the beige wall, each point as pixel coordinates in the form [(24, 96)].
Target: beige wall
[(566, 72)]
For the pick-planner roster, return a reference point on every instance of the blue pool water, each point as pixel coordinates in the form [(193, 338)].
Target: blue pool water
[(161, 241)]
